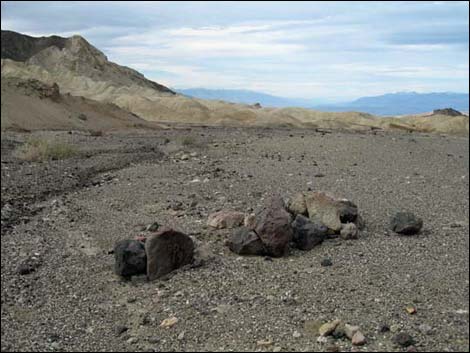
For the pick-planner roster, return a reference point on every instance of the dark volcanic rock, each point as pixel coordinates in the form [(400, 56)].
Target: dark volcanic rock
[(406, 223), (130, 258), (20, 47), (307, 234), (167, 250), (246, 242), (273, 227)]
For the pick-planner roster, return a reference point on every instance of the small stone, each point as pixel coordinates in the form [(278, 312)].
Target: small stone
[(181, 336), (403, 339), (350, 330), (296, 334), (348, 231), (333, 348), (406, 223), (383, 328), (411, 349), (358, 339), (119, 330), (152, 227), (132, 340), (170, 322), (277, 349), (322, 339), (410, 309), (328, 328), (394, 328), (226, 219), (184, 157), (264, 343), (326, 262)]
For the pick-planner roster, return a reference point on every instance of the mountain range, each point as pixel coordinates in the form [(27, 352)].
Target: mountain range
[(49, 82), (401, 103)]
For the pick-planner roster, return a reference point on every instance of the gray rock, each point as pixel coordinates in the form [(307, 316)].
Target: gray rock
[(244, 241), (330, 211), (167, 250), (326, 262), (406, 223), (307, 234), (349, 231), (130, 258), (273, 226), (297, 205)]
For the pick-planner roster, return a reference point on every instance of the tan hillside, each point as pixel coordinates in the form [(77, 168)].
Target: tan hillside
[(82, 70), (33, 105)]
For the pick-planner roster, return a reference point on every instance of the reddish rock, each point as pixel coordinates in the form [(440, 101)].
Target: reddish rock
[(167, 250), (273, 226)]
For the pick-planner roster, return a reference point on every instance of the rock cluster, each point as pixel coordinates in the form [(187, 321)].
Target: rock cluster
[(305, 223), (162, 252)]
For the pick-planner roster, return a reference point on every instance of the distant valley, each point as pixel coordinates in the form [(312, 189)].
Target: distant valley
[(401, 103)]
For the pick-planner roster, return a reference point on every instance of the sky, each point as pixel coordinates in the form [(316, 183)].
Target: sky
[(324, 51)]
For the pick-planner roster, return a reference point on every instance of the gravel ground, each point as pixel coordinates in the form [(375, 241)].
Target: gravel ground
[(68, 215)]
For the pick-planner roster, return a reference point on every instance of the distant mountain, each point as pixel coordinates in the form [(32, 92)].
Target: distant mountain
[(402, 103), (388, 104), (244, 97)]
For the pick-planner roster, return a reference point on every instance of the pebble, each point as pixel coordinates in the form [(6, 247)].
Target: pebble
[(277, 349), (326, 262), (358, 339), (120, 330), (328, 328), (170, 322), (132, 340), (296, 334), (264, 343), (410, 309), (350, 330)]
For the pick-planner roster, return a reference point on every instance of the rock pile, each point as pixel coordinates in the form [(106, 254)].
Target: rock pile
[(162, 252), (305, 223)]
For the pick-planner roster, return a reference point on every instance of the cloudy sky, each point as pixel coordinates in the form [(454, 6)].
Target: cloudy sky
[(318, 50)]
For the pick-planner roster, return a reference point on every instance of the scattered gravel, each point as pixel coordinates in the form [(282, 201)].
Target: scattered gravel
[(72, 212)]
